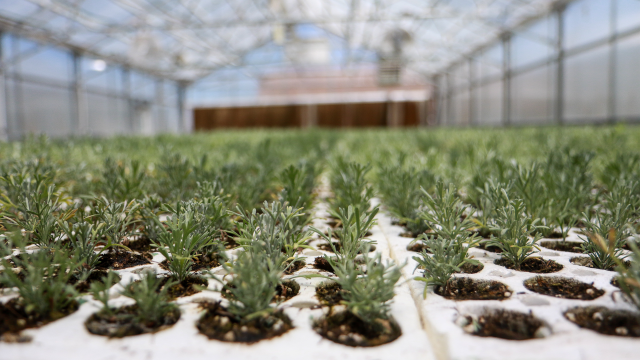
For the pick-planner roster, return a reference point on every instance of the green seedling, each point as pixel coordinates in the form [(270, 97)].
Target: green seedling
[(274, 229), (151, 300), (100, 291), (368, 294), (350, 186), (447, 259), (182, 238), (516, 234), (355, 226), (255, 277), (44, 288), (118, 218)]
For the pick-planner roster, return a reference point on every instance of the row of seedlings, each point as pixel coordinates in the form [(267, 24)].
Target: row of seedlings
[(359, 286), (517, 207)]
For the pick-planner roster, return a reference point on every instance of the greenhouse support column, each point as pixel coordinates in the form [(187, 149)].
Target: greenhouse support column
[(613, 58), (449, 97), (506, 80), (158, 103), (559, 106), (182, 90), (79, 118), (126, 84), (472, 98), (4, 126)]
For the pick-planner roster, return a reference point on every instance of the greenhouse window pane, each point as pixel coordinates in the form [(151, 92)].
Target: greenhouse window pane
[(534, 43), (627, 15), (586, 85), (104, 119), (532, 96), (49, 63), (586, 21), (490, 104), (628, 77), (490, 62), (47, 110)]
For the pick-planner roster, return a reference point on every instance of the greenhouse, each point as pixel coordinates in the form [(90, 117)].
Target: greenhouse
[(280, 179)]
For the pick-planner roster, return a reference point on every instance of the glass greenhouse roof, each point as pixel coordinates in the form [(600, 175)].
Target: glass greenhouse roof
[(191, 39)]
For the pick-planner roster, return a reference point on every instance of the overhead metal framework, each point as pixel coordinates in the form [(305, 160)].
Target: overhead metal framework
[(185, 40)]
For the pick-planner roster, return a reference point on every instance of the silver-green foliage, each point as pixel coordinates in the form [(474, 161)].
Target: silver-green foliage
[(515, 233), (447, 259), (355, 225), (274, 230), (350, 186), (44, 290), (613, 226), (151, 299), (255, 277), (183, 238), (630, 275), (83, 238), (100, 291), (446, 214), (367, 293), (118, 218)]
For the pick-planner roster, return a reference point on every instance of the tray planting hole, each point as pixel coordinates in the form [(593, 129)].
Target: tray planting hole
[(562, 287)]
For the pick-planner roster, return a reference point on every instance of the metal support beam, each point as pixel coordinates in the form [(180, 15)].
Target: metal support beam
[(613, 59), (126, 92), (182, 95), (506, 80), (4, 126), (450, 113), (559, 95), (160, 121), (473, 116), (16, 124), (80, 112)]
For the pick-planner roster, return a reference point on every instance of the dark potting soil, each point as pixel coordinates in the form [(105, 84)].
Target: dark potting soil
[(94, 276), (418, 247), (533, 264), (469, 268), (587, 262), (568, 246), (347, 329), (187, 287), (463, 288), (327, 247), (297, 265), (553, 235), (483, 232), (562, 287), (506, 324), (606, 321), (329, 293), (123, 323), (321, 263), (121, 260), (141, 244), (483, 245), (219, 324), (615, 281), (201, 262), (286, 290), (228, 241), (14, 317)]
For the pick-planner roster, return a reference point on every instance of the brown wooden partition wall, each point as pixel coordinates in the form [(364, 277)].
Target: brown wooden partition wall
[(320, 115)]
